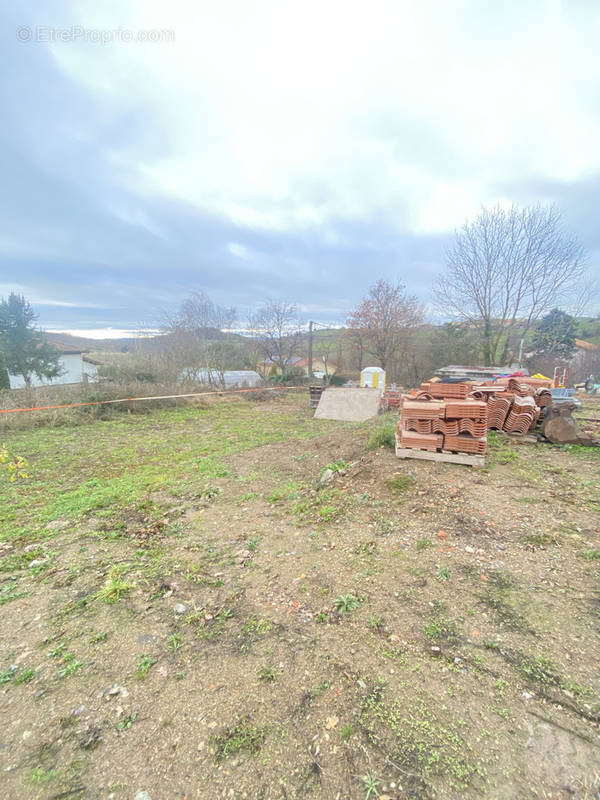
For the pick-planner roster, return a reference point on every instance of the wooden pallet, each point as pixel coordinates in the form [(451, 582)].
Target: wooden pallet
[(470, 459)]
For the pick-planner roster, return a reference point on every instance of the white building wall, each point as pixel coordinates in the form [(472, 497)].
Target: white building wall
[(72, 366)]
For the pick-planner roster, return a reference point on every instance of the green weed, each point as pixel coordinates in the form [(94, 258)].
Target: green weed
[(145, 662), (115, 587), (383, 436), (239, 738), (25, 676), (345, 603), (267, 674)]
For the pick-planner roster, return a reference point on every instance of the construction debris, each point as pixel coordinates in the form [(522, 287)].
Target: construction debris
[(453, 417)]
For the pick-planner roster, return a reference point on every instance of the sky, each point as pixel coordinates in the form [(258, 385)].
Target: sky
[(279, 150)]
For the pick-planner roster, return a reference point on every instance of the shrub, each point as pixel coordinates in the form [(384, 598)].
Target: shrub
[(384, 436)]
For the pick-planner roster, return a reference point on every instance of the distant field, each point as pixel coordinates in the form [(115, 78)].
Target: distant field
[(184, 613)]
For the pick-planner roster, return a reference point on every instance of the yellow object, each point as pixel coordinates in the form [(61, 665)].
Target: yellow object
[(373, 377), (541, 377)]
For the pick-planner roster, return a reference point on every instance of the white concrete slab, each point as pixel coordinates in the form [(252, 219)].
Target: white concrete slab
[(349, 405)]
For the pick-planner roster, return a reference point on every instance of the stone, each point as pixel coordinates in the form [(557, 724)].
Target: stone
[(179, 608), (57, 525), (142, 794), (326, 477)]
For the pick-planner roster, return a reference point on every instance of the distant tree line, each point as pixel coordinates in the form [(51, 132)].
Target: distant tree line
[(506, 275)]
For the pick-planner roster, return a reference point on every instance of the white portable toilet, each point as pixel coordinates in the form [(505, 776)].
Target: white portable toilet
[(373, 377)]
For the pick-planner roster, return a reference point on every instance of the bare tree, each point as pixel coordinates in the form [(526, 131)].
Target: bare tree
[(276, 329), (507, 269), (325, 348), (197, 338), (198, 314), (385, 320)]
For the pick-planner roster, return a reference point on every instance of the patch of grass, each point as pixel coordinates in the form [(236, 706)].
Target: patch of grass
[(371, 785), (441, 630), (346, 732), (490, 645), (9, 592), (26, 676), (443, 574), (423, 544), (243, 737), (376, 623), (7, 675), (98, 637), (291, 491), (267, 674), (321, 617), (335, 466), (252, 544), (383, 436), (19, 561), (540, 670), (145, 662), (345, 604), (419, 743), (38, 776), (593, 554), (257, 626), (401, 483), (126, 723), (247, 496), (209, 492), (115, 587), (174, 642), (72, 665)]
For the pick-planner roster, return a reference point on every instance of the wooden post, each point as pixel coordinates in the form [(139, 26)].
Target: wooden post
[(310, 349)]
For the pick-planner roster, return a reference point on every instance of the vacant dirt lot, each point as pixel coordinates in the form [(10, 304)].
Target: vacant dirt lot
[(184, 615)]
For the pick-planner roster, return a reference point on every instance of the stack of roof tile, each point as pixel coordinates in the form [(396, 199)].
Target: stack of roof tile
[(543, 397), (391, 399), (457, 424), (522, 416), (442, 390), (498, 408)]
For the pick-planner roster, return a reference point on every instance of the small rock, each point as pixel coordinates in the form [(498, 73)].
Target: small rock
[(469, 549), (179, 608), (436, 651), (142, 794), (36, 562), (114, 690), (39, 693), (527, 695), (57, 525), (326, 477)]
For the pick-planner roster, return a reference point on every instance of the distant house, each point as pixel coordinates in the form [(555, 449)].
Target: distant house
[(232, 378), (270, 368), (75, 367)]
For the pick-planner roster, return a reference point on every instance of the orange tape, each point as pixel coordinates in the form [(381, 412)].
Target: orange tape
[(155, 397)]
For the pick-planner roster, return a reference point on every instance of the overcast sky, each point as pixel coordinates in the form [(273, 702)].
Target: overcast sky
[(293, 150)]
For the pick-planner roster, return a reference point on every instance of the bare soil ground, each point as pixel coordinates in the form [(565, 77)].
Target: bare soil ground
[(184, 614)]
